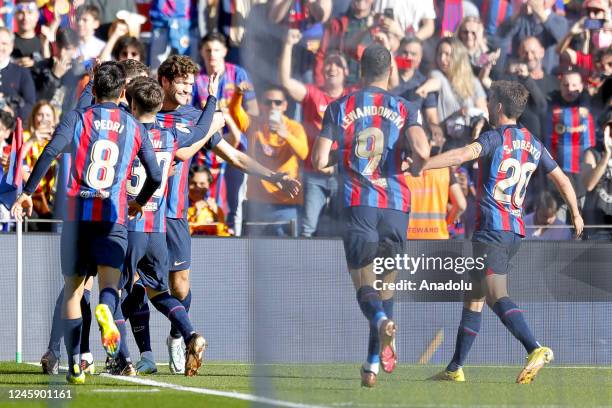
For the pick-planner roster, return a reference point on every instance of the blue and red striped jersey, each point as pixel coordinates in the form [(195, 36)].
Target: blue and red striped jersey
[(571, 132), (509, 157), (178, 191), (105, 142), (169, 9), (369, 127)]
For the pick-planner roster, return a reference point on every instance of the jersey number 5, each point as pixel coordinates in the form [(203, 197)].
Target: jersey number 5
[(370, 145), (519, 178), (101, 170)]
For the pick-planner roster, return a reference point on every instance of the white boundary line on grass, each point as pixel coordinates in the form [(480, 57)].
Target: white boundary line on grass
[(205, 391)]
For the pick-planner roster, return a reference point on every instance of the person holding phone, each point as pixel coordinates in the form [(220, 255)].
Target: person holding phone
[(403, 17), (279, 144)]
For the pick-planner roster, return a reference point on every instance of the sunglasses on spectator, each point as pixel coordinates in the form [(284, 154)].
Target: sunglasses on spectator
[(275, 102), (26, 7)]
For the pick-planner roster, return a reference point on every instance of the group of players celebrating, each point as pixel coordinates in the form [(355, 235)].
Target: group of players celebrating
[(131, 150)]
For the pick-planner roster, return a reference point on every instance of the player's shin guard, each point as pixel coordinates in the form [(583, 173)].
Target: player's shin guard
[(371, 305), (136, 308), (170, 307), (466, 334), (72, 340), (186, 302), (57, 326), (86, 313), (124, 352), (512, 317), (109, 297)]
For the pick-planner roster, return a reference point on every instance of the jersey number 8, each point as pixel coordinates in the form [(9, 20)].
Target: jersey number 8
[(519, 178), (370, 145), (101, 170)]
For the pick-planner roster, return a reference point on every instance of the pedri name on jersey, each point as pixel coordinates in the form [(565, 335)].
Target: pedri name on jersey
[(365, 111), (523, 145), (105, 124)]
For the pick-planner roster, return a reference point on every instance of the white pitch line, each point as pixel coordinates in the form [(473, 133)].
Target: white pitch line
[(217, 393), (126, 391)]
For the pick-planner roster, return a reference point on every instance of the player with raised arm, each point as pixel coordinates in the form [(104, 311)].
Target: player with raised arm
[(176, 77), (372, 128), (103, 141), (147, 254), (507, 157)]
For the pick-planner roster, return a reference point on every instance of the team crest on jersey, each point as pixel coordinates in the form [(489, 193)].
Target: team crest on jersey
[(182, 128)]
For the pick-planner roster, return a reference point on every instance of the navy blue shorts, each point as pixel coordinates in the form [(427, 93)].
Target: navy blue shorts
[(178, 239), (371, 232), (147, 254), (85, 245), (497, 248)]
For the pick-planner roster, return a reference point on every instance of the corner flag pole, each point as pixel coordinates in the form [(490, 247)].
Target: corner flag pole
[(19, 225)]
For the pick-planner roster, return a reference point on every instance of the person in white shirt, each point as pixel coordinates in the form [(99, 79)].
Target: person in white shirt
[(88, 20), (410, 16)]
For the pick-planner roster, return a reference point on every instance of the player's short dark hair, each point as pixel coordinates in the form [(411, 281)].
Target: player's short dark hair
[(375, 62), (66, 37), (213, 36), (146, 93), (90, 9), (176, 66), (109, 80), (546, 200), (201, 168), (7, 120), (512, 95), (128, 41), (134, 68)]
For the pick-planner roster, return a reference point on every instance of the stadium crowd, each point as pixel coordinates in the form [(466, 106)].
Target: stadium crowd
[(281, 62)]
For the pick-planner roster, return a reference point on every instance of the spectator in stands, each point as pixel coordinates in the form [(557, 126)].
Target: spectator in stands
[(40, 127), (545, 215), (228, 182), (55, 78), (108, 13), (318, 186), (535, 18), (171, 20), (532, 53), (29, 47), (280, 144), (88, 20), (436, 202), (416, 18), (16, 85), (409, 57), (7, 124), (128, 47), (348, 35), (59, 13), (204, 215), (118, 29), (570, 127), (461, 97), (597, 178)]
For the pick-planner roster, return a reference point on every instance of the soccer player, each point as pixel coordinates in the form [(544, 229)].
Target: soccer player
[(147, 253), (372, 128), (507, 157), (176, 77), (103, 141)]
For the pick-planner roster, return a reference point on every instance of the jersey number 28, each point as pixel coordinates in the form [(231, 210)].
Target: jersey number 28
[(518, 178)]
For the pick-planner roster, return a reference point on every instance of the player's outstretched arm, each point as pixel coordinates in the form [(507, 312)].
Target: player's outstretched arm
[(238, 159), (454, 157), (188, 150), (419, 147), (564, 185), (146, 154)]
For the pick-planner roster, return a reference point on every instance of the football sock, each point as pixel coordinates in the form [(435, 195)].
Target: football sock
[(512, 317), (72, 340), (124, 352), (86, 313), (373, 361), (109, 297), (388, 307), (174, 332), (57, 326), (371, 306), (170, 307), (466, 334), (136, 309)]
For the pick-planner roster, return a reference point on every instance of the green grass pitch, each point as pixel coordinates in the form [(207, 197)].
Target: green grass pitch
[(322, 385)]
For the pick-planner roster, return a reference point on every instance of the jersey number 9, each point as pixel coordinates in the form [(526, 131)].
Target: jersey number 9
[(370, 145)]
